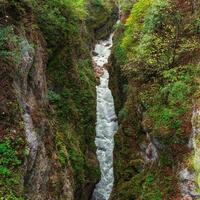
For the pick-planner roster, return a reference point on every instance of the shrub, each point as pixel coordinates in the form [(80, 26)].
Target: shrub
[(9, 45), (9, 165), (8, 155), (59, 19), (123, 114)]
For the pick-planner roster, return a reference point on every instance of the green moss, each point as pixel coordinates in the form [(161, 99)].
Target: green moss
[(167, 103), (9, 45), (73, 102), (123, 114), (158, 53), (10, 161), (147, 185), (63, 19), (11, 197), (101, 18), (61, 148), (78, 162), (165, 158)]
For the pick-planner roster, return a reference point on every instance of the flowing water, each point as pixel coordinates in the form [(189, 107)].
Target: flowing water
[(106, 125)]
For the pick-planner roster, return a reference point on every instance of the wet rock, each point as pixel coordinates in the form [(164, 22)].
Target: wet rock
[(94, 53), (187, 184), (151, 153)]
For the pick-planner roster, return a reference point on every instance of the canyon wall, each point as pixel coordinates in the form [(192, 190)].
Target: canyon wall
[(48, 96), (154, 79)]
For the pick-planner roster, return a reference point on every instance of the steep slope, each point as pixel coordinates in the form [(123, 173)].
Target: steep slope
[(155, 70), (48, 100)]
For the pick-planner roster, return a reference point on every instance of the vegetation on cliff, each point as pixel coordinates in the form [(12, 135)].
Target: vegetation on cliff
[(158, 52), (155, 78), (62, 108)]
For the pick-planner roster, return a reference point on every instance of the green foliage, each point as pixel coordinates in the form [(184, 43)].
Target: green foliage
[(78, 163), (53, 97), (152, 35), (197, 25), (10, 160), (159, 55), (138, 12), (4, 33), (164, 117), (101, 4), (153, 186), (156, 16), (68, 148), (134, 25), (9, 45), (74, 102), (86, 74), (123, 113), (154, 194), (8, 157), (146, 185), (102, 15), (11, 197), (75, 95), (120, 54), (59, 20), (167, 103), (97, 3), (148, 51), (165, 159), (177, 91), (125, 5), (4, 171), (62, 151)]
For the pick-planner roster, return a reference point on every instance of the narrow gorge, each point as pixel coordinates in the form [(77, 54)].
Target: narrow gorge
[(99, 100)]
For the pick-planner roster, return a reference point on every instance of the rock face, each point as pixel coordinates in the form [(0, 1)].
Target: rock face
[(38, 164), (21, 87), (101, 24), (40, 169), (187, 184), (47, 88), (153, 159)]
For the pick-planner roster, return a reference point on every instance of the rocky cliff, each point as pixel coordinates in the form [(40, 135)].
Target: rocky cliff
[(47, 107), (154, 69)]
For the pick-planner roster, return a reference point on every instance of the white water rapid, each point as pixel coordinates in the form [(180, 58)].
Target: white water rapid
[(106, 125)]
